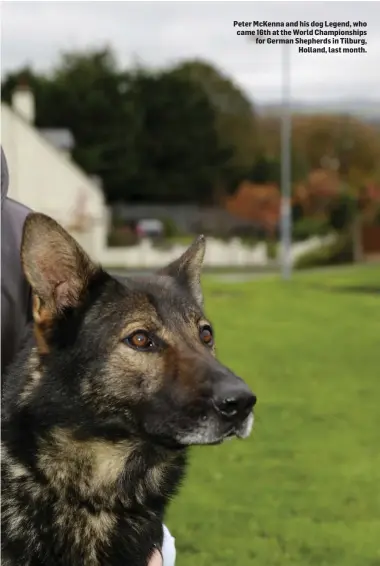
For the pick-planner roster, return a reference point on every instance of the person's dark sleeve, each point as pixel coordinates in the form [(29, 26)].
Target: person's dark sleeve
[(16, 309)]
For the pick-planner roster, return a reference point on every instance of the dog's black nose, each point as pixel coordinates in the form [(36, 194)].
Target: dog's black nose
[(234, 401)]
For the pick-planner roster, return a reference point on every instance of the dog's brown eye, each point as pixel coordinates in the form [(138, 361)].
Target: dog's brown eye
[(206, 336), (140, 340)]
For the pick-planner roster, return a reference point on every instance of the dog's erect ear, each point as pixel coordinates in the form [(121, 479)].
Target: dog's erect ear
[(187, 269), (56, 267)]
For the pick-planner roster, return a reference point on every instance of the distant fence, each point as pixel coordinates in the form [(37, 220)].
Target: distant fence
[(234, 253), (218, 254)]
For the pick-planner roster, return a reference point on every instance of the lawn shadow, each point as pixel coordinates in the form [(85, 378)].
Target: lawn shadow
[(353, 289), (362, 289)]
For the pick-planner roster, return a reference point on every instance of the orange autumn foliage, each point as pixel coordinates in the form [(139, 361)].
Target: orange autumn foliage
[(369, 201), (317, 192), (316, 195), (258, 203)]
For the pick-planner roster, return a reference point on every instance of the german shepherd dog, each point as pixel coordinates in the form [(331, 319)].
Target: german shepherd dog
[(118, 380)]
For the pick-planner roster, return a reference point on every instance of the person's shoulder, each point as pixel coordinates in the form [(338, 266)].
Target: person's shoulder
[(17, 207), (14, 212), (13, 216)]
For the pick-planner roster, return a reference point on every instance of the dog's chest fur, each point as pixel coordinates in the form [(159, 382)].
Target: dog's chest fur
[(92, 505), (74, 501)]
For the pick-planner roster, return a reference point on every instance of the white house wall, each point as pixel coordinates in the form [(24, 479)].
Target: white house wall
[(46, 180)]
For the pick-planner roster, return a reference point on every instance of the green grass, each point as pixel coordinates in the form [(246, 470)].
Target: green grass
[(305, 488)]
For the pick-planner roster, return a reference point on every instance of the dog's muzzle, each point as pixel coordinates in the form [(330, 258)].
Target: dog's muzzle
[(228, 413), (233, 402)]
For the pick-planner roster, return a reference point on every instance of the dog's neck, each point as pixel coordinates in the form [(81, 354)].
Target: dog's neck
[(91, 467), (100, 470)]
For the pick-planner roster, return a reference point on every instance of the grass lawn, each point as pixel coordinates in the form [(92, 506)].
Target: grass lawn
[(305, 488)]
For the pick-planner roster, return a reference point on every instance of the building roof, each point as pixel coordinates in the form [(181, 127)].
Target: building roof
[(61, 138)]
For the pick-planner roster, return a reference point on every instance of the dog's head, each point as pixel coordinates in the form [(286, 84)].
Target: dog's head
[(139, 354)]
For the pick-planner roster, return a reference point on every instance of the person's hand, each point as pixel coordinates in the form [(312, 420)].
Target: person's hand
[(156, 559), (168, 550)]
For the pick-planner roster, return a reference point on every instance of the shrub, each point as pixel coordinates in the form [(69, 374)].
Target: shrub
[(342, 212), (170, 228), (309, 227), (272, 248), (120, 237), (336, 253)]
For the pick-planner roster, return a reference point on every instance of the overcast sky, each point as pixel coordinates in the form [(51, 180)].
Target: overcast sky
[(160, 33)]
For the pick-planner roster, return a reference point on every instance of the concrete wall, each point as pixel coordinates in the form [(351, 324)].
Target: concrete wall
[(218, 254)]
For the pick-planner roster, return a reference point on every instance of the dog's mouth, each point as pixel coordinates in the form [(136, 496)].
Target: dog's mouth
[(242, 431), (210, 433), (228, 436), (205, 429)]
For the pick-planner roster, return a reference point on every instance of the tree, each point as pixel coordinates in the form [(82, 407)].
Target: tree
[(341, 150), (86, 94), (235, 117), (89, 95), (179, 155), (149, 136), (266, 170), (26, 76), (336, 141), (258, 203)]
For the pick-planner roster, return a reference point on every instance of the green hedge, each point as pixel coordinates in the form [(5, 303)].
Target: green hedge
[(309, 227), (120, 237), (336, 253)]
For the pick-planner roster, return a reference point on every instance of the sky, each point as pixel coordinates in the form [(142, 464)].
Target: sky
[(159, 34)]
